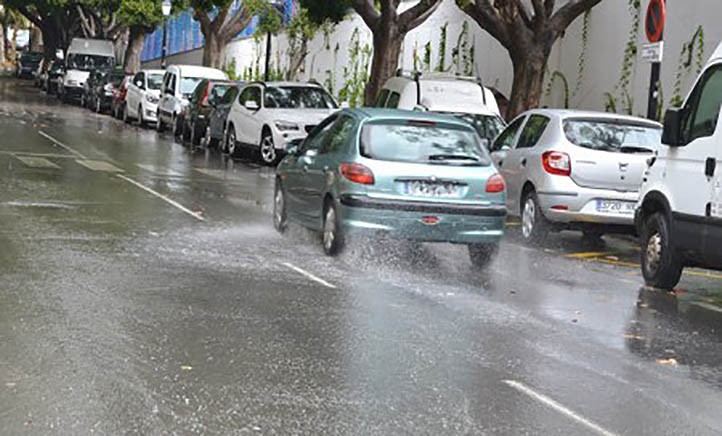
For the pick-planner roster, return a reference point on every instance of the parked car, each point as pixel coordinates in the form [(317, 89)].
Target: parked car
[(574, 170), (216, 126), (89, 87), (54, 76), (28, 65), (465, 97), (267, 116), (143, 96), (103, 88), (179, 83), (117, 105), (402, 174), (679, 215), (198, 111), (83, 57)]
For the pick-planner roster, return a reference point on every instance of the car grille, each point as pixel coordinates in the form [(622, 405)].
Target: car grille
[(310, 128)]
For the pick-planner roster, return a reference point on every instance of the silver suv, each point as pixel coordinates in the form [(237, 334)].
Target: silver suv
[(574, 170)]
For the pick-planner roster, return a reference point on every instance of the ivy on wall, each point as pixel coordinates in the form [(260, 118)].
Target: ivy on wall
[(629, 61), (356, 73), (692, 53)]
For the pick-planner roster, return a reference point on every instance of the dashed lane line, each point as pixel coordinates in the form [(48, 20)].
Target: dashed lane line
[(170, 201), (159, 171), (308, 275), (61, 145), (36, 162), (553, 404), (99, 165)]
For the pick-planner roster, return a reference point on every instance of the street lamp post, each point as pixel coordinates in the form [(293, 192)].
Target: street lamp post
[(279, 6), (166, 6)]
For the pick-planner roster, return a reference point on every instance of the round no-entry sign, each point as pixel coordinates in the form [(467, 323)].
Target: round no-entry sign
[(654, 23)]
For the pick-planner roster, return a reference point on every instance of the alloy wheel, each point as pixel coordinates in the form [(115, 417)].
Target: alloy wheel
[(279, 210), (528, 219), (329, 230), (268, 150), (206, 139), (231, 145), (654, 252)]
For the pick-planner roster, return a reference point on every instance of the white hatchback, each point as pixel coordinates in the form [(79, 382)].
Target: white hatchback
[(269, 115), (141, 101)]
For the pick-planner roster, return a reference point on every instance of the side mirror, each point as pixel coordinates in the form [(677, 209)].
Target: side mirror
[(139, 84), (251, 105), (672, 133)]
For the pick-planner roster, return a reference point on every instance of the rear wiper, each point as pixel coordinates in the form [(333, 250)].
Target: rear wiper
[(445, 157), (634, 149)]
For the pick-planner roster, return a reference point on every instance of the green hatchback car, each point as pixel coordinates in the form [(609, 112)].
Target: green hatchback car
[(401, 174)]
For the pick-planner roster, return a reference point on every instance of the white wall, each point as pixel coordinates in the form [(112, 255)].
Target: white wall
[(610, 23)]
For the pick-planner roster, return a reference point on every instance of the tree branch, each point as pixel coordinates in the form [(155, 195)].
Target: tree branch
[(487, 16), (416, 15), (569, 12), (30, 16), (238, 21), (367, 11)]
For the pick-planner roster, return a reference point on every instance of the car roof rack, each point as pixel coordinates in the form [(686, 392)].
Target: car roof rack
[(417, 75)]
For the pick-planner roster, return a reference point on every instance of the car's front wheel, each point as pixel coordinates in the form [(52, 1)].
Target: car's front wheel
[(279, 209), (534, 225), (661, 263), (481, 255), (268, 149), (231, 143), (332, 237), (159, 125)]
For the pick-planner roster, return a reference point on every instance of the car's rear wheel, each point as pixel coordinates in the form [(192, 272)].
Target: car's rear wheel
[(268, 149), (661, 263), (159, 125), (141, 119), (332, 237), (195, 139), (481, 255), (279, 209), (231, 143), (534, 225), (126, 116), (97, 105), (208, 141)]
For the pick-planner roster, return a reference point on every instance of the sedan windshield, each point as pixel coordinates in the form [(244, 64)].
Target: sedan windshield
[(422, 142), (613, 135), (298, 97), (155, 81)]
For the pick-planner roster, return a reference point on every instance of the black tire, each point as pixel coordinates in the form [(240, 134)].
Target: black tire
[(280, 220), (267, 153), (231, 143), (208, 141), (126, 117), (481, 255), (141, 118), (195, 139), (177, 126), (661, 263), (535, 226), (159, 125), (98, 109), (83, 103), (332, 237)]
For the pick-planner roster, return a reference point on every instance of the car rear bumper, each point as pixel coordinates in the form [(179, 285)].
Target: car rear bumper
[(426, 222), (580, 206)]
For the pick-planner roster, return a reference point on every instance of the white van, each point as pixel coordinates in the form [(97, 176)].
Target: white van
[(178, 85), (465, 97), (679, 216), (84, 56)]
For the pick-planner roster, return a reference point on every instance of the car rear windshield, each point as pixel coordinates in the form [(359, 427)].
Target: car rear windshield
[(155, 81), (422, 142), (613, 135), (298, 97), (31, 58), (220, 89)]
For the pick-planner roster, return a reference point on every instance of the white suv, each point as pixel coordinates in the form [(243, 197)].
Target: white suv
[(178, 85), (141, 101), (267, 116), (679, 215)]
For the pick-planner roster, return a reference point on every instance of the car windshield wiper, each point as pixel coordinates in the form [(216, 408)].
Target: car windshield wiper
[(635, 149), (446, 157)]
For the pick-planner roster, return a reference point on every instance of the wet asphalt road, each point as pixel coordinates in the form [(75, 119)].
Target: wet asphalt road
[(122, 313)]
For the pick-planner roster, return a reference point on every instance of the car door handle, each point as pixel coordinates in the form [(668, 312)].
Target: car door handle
[(710, 166), (523, 162), (501, 163)]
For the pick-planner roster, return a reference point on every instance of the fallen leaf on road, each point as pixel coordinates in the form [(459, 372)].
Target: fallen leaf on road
[(10, 384), (186, 367), (669, 362), (630, 336)]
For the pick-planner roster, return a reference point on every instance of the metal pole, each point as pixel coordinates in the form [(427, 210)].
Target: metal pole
[(268, 58), (165, 44), (653, 102)]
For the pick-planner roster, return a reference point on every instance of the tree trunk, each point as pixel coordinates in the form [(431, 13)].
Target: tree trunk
[(526, 90), (3, 43), (387, 49), (297, 57), (213, 50), (136, 38), (51, 41), (36, 39)]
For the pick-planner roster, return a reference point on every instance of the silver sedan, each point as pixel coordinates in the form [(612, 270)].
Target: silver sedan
[(574, 170)]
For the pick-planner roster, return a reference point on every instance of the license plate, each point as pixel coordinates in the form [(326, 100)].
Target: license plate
[(616, 207), (420, 188)]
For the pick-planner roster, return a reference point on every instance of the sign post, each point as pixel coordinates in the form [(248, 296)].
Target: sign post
[(653, 52)]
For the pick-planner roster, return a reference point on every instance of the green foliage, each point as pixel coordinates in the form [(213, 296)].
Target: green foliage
[(692, 51), (582, 64), (463, 54), (427, 56), (321, 11), (146, 13), (356, 74), (232, 70), (621, 89), (441, 67), (558, 75)]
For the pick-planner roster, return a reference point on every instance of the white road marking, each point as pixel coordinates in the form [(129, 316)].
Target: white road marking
[(99, 165), (309, 275), (36, 162), (174, 203), (558, 407), (61, 145), (160, 171)]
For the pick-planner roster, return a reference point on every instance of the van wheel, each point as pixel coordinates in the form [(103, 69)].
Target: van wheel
[(534, 225), (661, 264), (481, 255), (332, 237), (141, 120)]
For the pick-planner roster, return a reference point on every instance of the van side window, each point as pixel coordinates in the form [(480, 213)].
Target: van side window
[(383, 95), (533, 131), (506, 139), (393, 102), (171, 84), (704, 106)]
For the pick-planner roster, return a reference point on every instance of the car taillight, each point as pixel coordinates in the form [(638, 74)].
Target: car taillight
[(556, 162), (495, 184), (357, 173), (204, 102)]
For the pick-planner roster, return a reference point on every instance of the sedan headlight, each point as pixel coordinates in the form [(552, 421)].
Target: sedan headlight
[(152, 99), (286, 126)]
